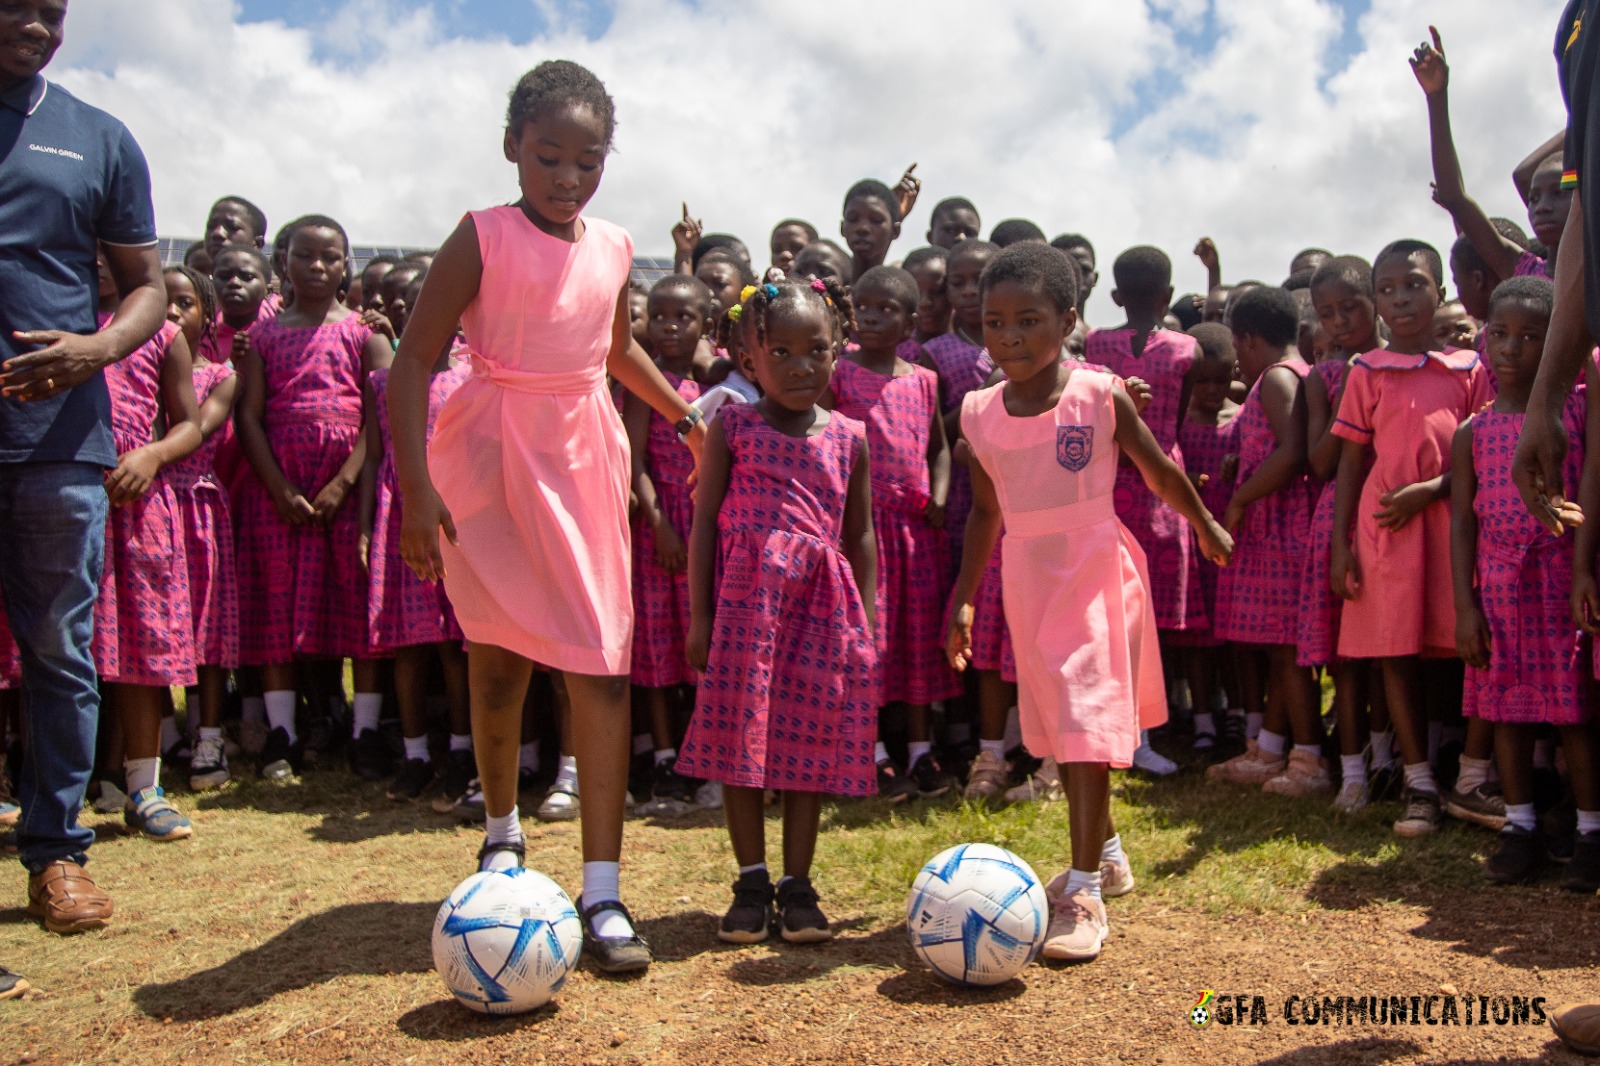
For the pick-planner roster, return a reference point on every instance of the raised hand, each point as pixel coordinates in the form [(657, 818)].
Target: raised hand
[(1428, 64)]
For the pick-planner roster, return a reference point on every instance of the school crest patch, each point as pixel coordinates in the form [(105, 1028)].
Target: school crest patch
[(1074, 446)]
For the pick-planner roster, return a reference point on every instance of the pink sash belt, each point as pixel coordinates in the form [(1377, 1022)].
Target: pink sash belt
[(571, 383), (1070, 516)]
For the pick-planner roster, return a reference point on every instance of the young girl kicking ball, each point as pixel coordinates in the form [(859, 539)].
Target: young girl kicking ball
[(1046, 444)]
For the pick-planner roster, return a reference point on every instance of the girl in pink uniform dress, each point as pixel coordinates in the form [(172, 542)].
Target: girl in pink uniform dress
[(143, 634), (1047, 444), (1258, 597), (300, 425), (207, 525), (781, 570), (1519, 597), (531, 466), (1390, 558), (899, 404)]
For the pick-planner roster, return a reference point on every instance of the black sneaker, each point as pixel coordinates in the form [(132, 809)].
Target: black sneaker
[(613, 954), (929, 776), (671, 793), (280, 760), (752, 915), (459, 770), (801, 920), (369, 756), (1517, 859), (412, 781), (1583, 870), (892, 784)]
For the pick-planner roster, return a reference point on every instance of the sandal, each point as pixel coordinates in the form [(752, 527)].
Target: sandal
[(519, 849), (613, 954)]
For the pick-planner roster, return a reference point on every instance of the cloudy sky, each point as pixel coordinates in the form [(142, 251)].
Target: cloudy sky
[(1266, 124)]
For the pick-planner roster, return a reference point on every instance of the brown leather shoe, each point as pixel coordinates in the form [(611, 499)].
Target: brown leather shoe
[(67, 899), (1578, 1026)]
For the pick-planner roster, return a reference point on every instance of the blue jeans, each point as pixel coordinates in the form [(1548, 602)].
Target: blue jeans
[(52, 549)]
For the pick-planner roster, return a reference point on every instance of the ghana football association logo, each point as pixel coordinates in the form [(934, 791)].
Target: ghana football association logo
[(1200, 1013)]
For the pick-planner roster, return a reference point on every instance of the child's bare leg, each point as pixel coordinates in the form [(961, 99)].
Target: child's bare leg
[(802, 819), (747, 830), (499, 682)]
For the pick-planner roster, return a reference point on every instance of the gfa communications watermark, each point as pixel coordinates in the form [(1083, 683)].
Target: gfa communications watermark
[(1229, 1009)]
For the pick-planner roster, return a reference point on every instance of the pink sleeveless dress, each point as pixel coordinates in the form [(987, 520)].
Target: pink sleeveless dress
[(302, 592), (1538, 671), (403, 610), (143, 633), (207, 524), (1205, 446), (660, 599), (1258, 593), (960, 370), (530, 455), (790, 697), (1406, 408), (1320, 609), (913, 557), (1165, 536), (1089, 671)]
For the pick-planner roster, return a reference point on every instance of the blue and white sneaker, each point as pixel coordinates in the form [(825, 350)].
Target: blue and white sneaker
[(151, 813)]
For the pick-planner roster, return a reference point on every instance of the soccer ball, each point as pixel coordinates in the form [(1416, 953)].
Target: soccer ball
[(977, 914), (505, 940), (1199, 1017)]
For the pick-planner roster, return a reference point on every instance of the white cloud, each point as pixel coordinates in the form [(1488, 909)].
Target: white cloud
[(754, 112)]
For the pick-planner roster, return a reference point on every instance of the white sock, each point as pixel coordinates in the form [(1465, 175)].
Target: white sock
[(959, 732), (1013, 733), (567, 774), (1252, 724), (507, 830), (1270, 743), (1474, 774), (280, 711), (1382, 745), (1589, 821), (170, 737), (141, 774), (880, 754), (1419, 778), (743, 870), (528, 757), (1522, 816), (1354, 767), (1309, 749), (643, 742), (417, 747), (1205, 724), (364, 714), (1078, 879), (916, 749), (210, 732), (460, 741), (997, 748), (600, 883), (663, 754), (252, 709), (1111, 850)]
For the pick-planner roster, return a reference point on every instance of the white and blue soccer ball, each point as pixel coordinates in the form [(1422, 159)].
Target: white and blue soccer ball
[(977, 914), (505, 940)]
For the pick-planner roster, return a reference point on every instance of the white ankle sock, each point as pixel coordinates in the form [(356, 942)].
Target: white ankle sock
[(1522, 816), (417, 747), (252, 709), (210, 733), (280, 711), (506, 830), (365, 711), (170, 737), (567, 773), (761, 866), (916, 749), (1252, 724), (600, 883), (528, 757), (1078, 879), (1111, 850), (1309, 749), (1382, 750), (1589, 821), (141, 774), (460, 741), (1270, 743), (1474, 774), (880, 754), (663, 754), (997, 748), (1353, 766), (1419, 778)]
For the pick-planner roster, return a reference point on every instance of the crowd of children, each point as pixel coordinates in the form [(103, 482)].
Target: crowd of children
[(849, 527)]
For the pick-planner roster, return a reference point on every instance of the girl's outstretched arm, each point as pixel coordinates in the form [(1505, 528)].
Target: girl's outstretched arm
[(860, 539), (136, 470), (983, 530), (1165, 479), (450, 286), (1472, 629), (629, 364), (715, 466), (1283, 399)]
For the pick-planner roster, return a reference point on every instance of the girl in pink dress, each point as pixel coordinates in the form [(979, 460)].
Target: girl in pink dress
[(1390, 559), (899, 404), (1516, 594), (407, 616), (1047, 444), (144, 635), (1144, 348), (300, 424), (1258, 597), (781, 570), (678, 308), (531, 464), (207, 525)]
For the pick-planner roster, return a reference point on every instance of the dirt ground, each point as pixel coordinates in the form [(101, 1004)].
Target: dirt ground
[(294, 927)]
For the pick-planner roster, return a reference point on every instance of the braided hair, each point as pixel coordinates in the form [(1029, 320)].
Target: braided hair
[(206, 293), (746, 321)]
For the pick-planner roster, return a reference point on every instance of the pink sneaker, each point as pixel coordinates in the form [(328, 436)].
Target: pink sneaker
[(1078, 926), (1254, 767), (1306, 775), (1116, 878)]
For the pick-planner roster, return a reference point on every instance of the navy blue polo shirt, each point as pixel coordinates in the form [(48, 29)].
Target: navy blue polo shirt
[(70, 175)]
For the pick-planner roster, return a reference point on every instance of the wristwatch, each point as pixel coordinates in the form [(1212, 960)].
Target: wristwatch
[(687, 423)]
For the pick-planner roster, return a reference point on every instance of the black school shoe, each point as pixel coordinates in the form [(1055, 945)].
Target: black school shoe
[(801, 921), (280, 760), (892, 784), (613, 954), (752, 915), (929, 777), (1583, 871), (369, 756), (412, 781), (1517, 859)]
